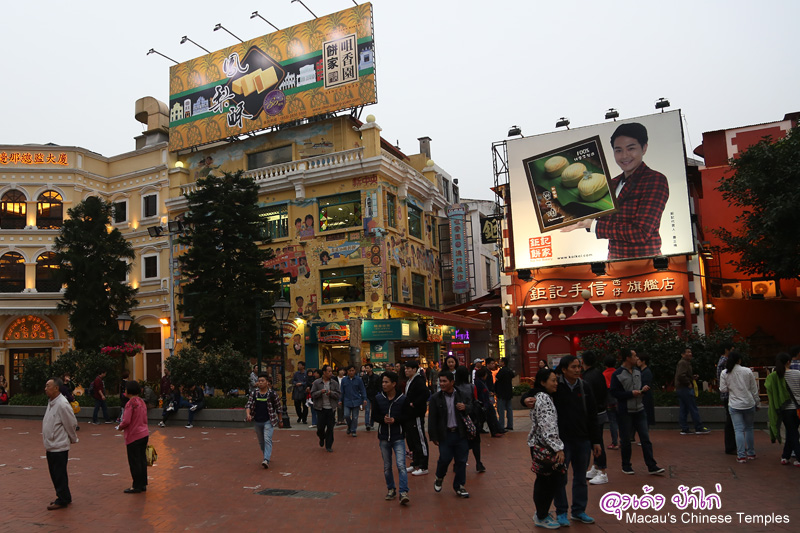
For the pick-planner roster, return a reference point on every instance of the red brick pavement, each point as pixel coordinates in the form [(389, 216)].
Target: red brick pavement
[(207, 478)]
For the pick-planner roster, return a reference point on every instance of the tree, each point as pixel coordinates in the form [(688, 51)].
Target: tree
[(35, 373), (765, 184), (227, 368), (227, 281), (188, 367), (93, 267)]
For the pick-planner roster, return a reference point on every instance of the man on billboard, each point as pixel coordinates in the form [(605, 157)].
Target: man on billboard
[(642, 193)]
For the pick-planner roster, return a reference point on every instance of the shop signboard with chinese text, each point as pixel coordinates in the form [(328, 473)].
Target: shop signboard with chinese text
[(456, 215), (321, 66), (389, 329), (333, 332), (624, 288), (646, 214)]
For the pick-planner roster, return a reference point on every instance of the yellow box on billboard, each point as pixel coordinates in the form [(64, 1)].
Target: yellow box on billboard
[(324, 65)]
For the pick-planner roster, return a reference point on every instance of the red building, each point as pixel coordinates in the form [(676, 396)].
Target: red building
[(765, 311)]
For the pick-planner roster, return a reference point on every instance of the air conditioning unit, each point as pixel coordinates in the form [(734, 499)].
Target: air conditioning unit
[(731, 290), (765, 289)]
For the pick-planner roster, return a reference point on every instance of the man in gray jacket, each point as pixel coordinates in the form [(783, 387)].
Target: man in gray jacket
[(58, 432)]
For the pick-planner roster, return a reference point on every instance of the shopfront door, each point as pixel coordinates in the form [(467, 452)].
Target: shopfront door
[(18, 358)]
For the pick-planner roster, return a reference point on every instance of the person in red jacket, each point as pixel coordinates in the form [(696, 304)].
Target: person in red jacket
[(99, 395), (134, 424)]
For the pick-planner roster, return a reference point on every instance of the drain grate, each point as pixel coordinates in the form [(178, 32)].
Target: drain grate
[(291, 493)]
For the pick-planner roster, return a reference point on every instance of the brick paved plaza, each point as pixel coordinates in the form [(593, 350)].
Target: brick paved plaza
[(210, 479)]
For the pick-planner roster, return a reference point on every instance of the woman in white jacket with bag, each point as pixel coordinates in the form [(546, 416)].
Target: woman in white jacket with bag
[(743, 400)]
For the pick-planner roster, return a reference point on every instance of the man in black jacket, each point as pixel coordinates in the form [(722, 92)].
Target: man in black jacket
[(577, 428), (417, 394), (372, 382), (448, 431), (505, 392), (390, 412), (593, 376)]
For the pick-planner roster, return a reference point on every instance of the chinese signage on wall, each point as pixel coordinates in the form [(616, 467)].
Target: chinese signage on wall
[(33, 158), (578, 197), (610, 289), (321, 66), (456, 214)]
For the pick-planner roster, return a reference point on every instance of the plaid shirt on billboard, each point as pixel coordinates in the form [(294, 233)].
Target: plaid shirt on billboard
[(633, 230)]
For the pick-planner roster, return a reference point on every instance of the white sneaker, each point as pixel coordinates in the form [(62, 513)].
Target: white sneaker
[(170, 409), (592, 472), (419, 472), (161, 424), (188, 426), (410, 469), (193, 408), (599, 479)]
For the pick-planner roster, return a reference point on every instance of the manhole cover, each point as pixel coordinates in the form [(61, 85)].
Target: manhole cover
[(291, 493)]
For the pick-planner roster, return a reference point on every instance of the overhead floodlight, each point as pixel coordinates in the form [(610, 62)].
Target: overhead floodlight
[(662, 104), (185, 38), (661, 262), (599, 269), (524, 274), (255, 14), (514, 131), (154, 51), (221, 27), (563, 122), (612, 113)]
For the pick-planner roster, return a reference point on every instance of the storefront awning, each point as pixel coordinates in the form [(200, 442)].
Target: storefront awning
[(446, 319)]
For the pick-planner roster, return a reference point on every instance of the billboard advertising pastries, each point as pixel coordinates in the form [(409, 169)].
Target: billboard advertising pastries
[(321, 66), (577, 197)]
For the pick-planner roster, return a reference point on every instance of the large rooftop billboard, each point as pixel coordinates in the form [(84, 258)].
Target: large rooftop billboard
[(610, 191), (324, 65)]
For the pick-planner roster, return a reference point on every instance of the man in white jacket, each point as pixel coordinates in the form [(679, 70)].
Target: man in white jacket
[(58, 432)]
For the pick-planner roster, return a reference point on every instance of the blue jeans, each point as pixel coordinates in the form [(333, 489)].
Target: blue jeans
[(688, 406), (98, 404), (399, 448), (504, 411), (264, 432), (743, 429), (351, 415), (576, 452), (627, 424), (367, 413), (200, 406), (313, 417), (453, 446)]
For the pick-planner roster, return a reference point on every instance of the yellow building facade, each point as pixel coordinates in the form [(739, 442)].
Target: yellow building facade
[(352, 220)]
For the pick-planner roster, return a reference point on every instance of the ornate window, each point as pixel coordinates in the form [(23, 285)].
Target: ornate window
[(49, 211), (46, 272), (13, 208), (12, 272)]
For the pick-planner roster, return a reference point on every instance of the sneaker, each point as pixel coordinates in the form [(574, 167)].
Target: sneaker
[(480, 468), (628, 471), (353, 434), (348, 432), (583, 517), (162, 424), (437, 485), (109, 422), (189, 426), (462, 492), (741, 459), (390, 495), (312, 426), (115, 427), (784, 461), (404, 498), (547, 522), (703, 431), (657, 471), (265, 463), (420, 472), (686, 432), (369, 428), (170, 409), (613, 446), (321, 442), (599, 479), (751, 457), (562, 519), (410, 469), (592, 472), (193, 408)]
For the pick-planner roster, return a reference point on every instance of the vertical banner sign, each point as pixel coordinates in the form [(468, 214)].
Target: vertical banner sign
[(456, 214)]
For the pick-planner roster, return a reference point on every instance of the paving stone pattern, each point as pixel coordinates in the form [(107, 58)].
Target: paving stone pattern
[(211, 479)]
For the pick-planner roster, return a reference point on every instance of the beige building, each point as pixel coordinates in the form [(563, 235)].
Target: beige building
[(354, 223)]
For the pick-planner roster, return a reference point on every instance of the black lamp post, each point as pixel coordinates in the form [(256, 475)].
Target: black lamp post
[(124, 321), (281, 309)]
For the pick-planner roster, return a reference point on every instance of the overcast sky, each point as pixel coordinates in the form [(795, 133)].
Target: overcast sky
[(459, 71)]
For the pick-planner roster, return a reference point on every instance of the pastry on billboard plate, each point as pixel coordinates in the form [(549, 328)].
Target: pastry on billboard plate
[(555, 165), (572, 175), (592, 187)]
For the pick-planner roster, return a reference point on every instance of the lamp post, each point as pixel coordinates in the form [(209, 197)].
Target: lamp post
[(124, 321), (281, 309)]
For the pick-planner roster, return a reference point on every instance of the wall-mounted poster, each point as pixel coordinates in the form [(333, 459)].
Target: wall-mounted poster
[(569, 184)]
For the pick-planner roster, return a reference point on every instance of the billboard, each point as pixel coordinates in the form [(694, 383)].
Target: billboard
[(324, 65), (577, 198)]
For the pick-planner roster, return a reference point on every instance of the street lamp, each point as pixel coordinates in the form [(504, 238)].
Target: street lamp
[(174, 227), (281, 309), (124, 321)]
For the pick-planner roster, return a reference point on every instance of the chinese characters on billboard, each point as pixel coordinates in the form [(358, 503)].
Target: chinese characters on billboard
[(610, 191), (456, 214), (321, 66)]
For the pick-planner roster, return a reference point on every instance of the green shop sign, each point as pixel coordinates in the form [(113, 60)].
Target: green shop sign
[(390, 329)]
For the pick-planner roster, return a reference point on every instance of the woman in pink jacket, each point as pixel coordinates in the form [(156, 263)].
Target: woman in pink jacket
[(134, 423)]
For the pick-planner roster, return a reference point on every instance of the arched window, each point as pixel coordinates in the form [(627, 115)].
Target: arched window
[(49, 210), (12, 272), (12, 210), (46, 266)]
